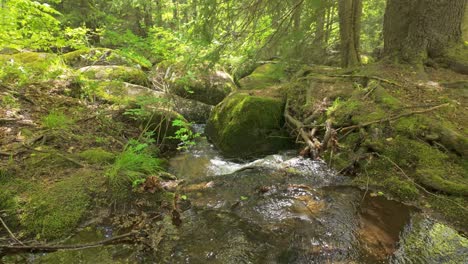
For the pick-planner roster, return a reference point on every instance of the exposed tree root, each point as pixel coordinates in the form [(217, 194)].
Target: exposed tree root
[(369, 77)]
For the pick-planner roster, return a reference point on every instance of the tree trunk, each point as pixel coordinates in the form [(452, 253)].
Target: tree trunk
[(415, 30), (350, 12), (465, 24)]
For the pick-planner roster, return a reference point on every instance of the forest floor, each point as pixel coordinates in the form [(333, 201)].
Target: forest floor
[(56, 148)]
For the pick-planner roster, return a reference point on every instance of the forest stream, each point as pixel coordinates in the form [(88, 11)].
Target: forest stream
[(278, 209)]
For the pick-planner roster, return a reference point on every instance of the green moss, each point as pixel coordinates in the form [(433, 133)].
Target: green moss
[(411, 126), (384, 99), (403, 189), (244, 125), (264, 76), (364, 115), (429, 166), (428, 242), (97, 156), (55, 211), (449, 206)]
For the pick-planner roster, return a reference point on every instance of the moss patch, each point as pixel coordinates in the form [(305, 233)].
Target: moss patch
[(428, 242), (429, 166), (245, 126), (97, 156), (264, 76), (53, 211)]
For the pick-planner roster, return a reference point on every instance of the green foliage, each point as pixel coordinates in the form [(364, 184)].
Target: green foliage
[(27, 67), (57, 120), (134, 163), (9, 101), (30, 24), (184, 134)]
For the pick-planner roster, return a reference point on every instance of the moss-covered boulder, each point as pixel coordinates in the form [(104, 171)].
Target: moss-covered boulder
[(100, 56), (264, 76), (425, 241), (117, 92), (115, 73), (245, 126), (208, 88)]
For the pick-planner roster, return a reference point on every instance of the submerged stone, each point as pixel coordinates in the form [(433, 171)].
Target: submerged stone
[(245, 126)]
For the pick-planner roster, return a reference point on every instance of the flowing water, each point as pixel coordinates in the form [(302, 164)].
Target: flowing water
[(278, 209)]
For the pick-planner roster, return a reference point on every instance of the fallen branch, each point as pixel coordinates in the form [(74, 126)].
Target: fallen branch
[(56, 153), (300, 127), (393, 118), (13, 249), (9, 232)]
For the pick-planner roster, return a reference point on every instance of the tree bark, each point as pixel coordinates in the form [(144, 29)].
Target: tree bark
[(350, 12), (415, 30)]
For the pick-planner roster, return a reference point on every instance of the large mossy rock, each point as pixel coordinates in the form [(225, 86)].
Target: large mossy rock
[(425, 241), (115, 73), (245, 126), (209, 88), (118, 92), (123, 93), (100, 56), (263, 77)]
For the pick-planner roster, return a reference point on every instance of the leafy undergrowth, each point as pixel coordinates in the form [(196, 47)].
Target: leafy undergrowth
[(63, 155), (399, 131)]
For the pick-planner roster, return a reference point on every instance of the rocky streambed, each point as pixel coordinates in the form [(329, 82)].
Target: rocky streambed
[(278, 209)]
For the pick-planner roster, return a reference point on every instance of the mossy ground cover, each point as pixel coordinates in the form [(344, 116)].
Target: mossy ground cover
[(55, 152), (394, 145), (264, 76)]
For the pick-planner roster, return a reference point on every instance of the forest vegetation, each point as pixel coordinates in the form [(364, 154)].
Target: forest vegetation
[(98, 96)]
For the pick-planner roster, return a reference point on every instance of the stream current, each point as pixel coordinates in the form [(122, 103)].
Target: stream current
[(278, 209)]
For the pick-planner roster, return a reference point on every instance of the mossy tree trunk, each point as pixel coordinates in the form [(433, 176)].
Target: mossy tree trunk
[(350, 12), (417, 30)]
